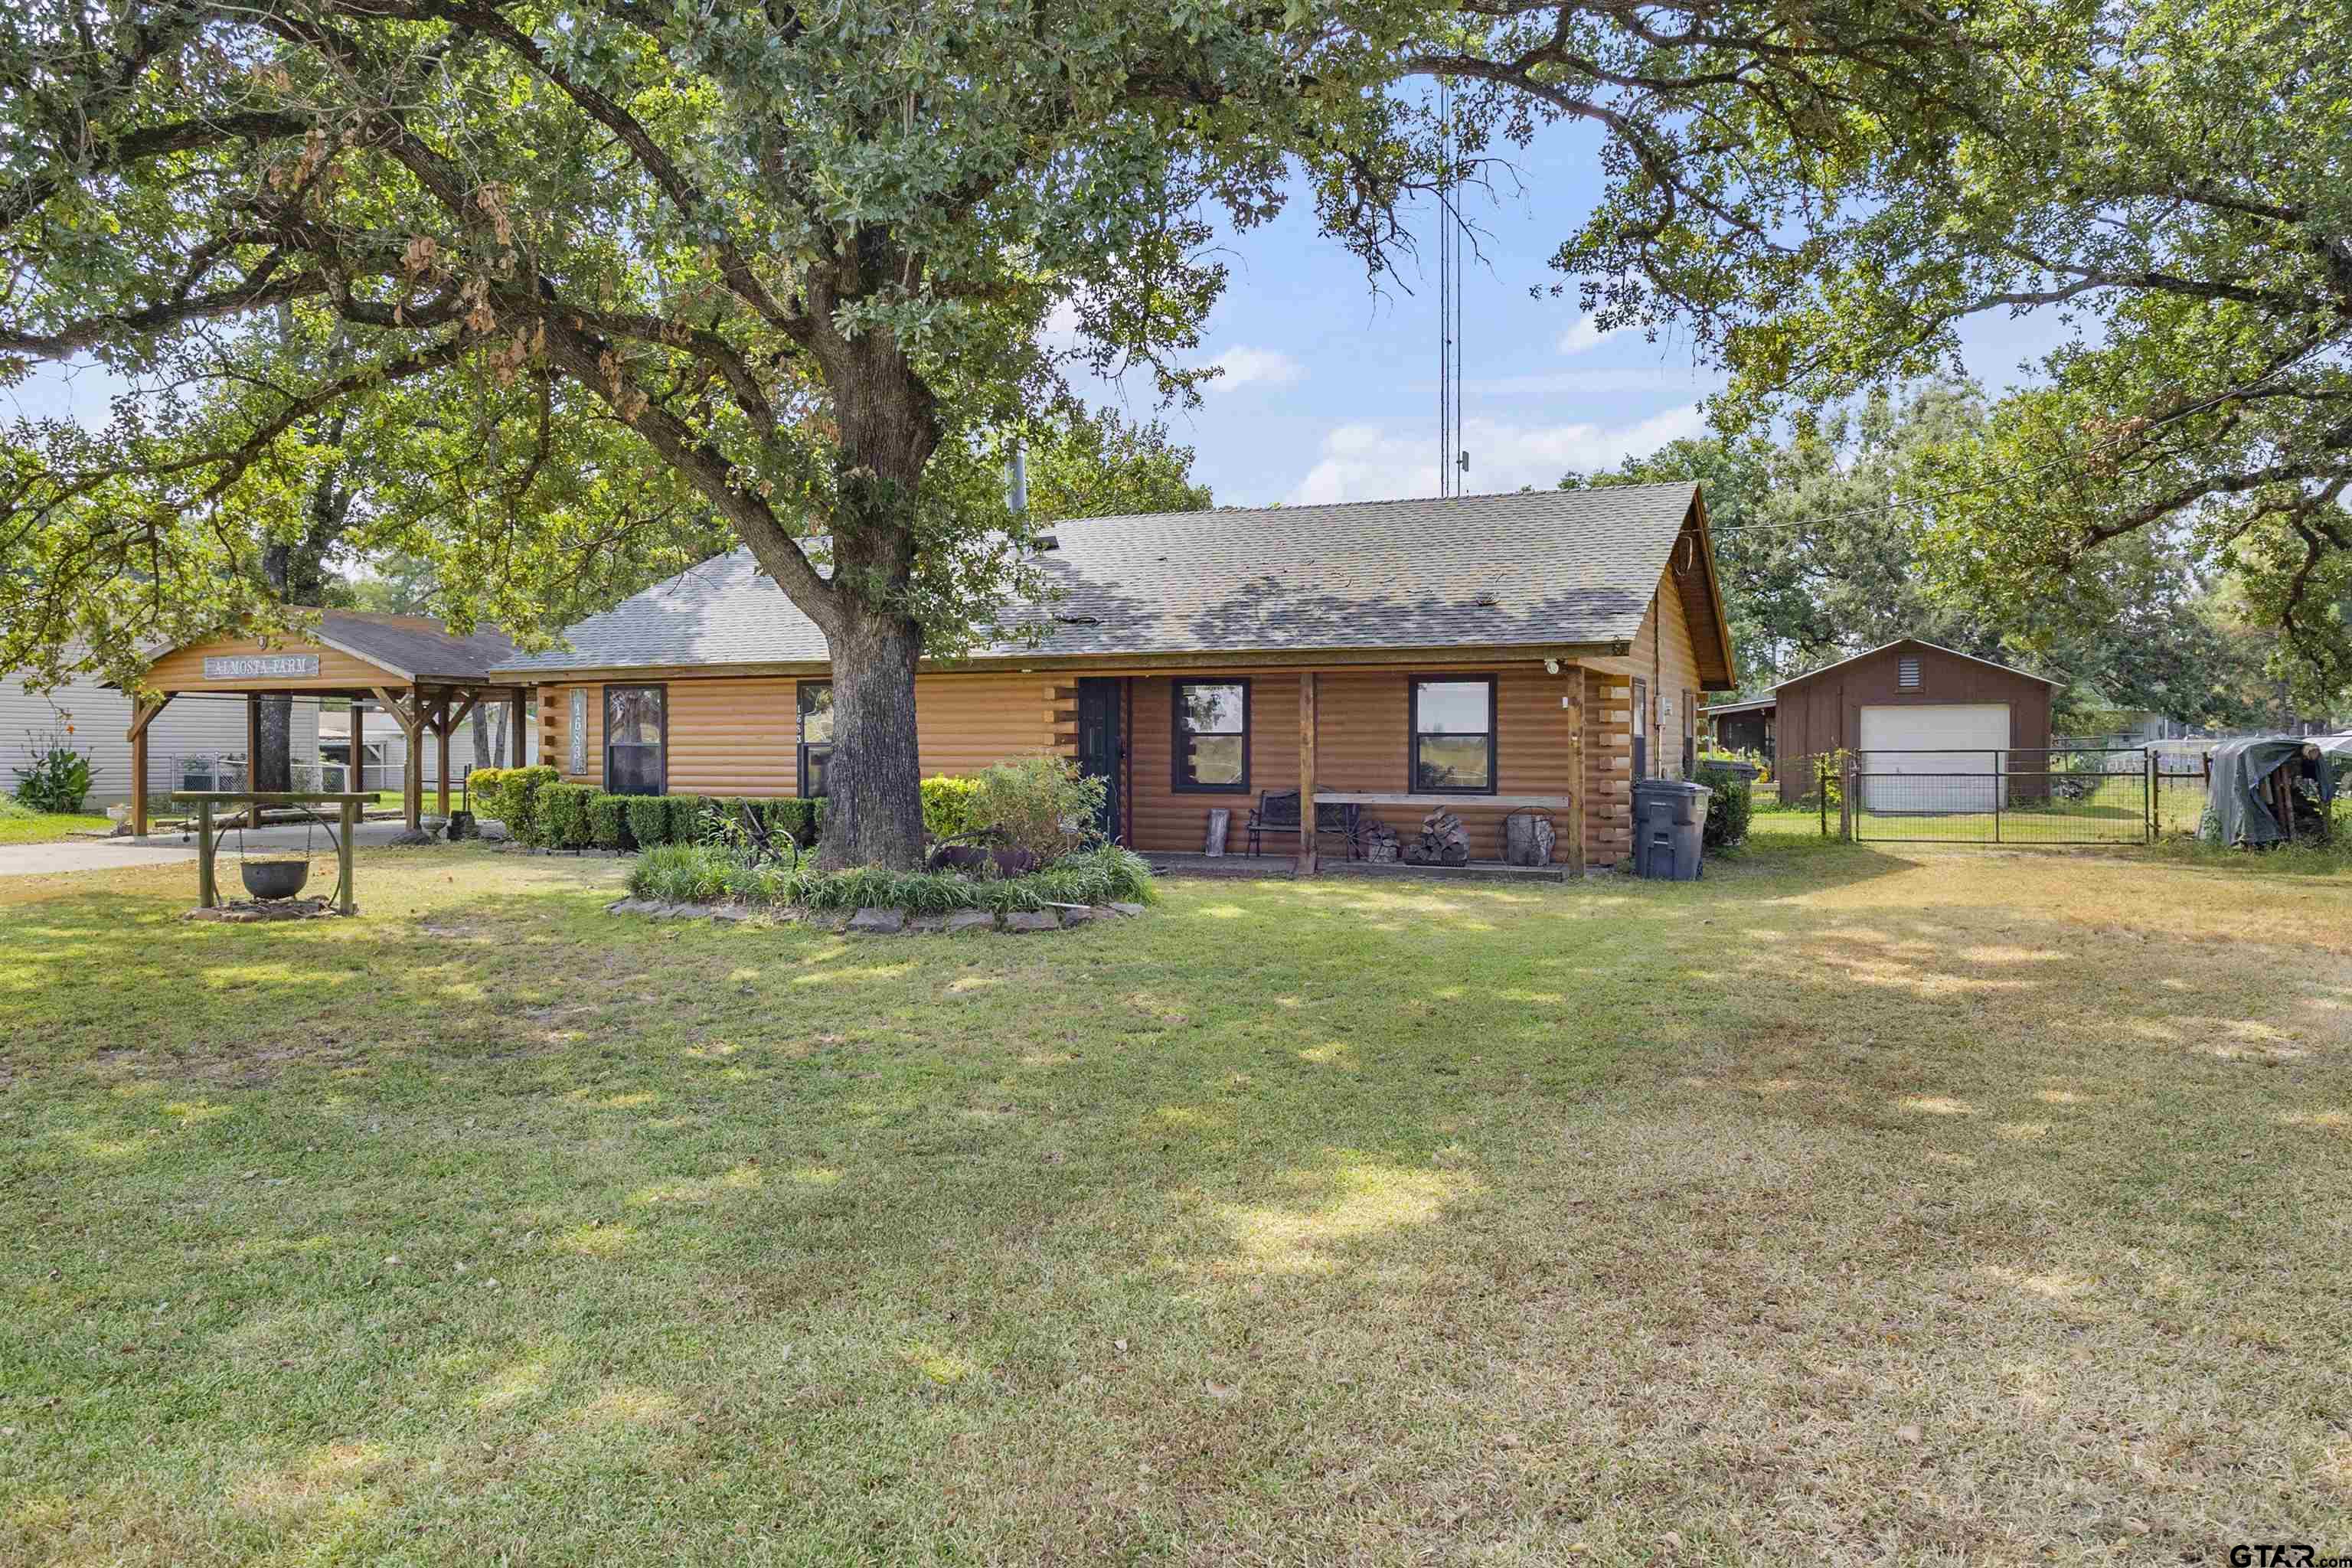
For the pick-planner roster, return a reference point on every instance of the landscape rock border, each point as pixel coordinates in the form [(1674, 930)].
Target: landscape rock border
[(884, 921)]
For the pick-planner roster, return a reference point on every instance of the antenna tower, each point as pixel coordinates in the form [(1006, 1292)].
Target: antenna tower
[(1453, 459)]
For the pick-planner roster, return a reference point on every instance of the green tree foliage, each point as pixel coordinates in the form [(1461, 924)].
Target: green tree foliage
[(1830, 544), (593, 265), (2160, 187), (1100, 465)]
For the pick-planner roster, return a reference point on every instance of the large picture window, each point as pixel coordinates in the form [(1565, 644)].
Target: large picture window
[(1454, 736), (816, 735), (636, 740), (1212, 736)]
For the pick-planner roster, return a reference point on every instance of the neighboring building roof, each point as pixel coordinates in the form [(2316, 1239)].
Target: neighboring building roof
[(1541, 568), (1912, 642), (1750, 706), (414, 646)]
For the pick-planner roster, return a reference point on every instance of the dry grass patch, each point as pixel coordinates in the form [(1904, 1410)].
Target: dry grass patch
[(1846, 1208)]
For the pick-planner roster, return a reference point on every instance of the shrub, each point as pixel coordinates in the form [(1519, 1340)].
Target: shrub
[(700, 873), (947, 805), (1041, 803), (685, 817), (1728, 808), (608, 821), (512, 796), (648, 819), (1101, 876), (59, 776), (796, 818), (679, 873), (562, 813)]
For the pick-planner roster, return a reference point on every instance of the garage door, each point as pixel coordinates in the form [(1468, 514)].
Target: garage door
[(1929, 757)]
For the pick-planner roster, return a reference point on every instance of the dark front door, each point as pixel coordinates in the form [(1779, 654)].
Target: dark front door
[(1102, 745)]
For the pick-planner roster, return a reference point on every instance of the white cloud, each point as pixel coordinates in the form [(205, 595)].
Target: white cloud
[(1248, 366), (1585, 334), (1378, 462), (1060, 332)]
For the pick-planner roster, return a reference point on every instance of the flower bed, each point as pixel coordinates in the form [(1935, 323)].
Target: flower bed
[(686, 875)]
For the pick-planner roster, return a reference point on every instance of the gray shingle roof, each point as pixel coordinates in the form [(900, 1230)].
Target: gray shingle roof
[(1543, 567), (415, 645)]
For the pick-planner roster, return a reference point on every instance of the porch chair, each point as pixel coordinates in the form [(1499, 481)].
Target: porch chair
[(1278, 812)]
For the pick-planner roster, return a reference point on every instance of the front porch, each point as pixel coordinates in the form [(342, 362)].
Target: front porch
[(1247, 866)]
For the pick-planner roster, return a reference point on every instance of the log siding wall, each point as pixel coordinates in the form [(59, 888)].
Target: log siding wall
[(740, 735), (737, 735)]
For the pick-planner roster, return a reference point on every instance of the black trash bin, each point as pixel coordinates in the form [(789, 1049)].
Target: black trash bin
[(1669, 828)]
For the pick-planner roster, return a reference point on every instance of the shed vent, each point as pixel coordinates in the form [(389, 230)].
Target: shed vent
[(1906, 674)]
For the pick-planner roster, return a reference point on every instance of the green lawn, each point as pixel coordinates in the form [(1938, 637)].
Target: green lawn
[(1851, 1205), (46, 828)]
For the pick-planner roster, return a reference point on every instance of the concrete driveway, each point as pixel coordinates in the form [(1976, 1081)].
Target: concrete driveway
[(162, 849)]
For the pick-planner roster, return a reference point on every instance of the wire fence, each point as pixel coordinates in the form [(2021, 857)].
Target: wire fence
[(227, 771), (2011, 795)]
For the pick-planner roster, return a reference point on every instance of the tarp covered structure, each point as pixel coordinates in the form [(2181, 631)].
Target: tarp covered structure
[(2241, 807)]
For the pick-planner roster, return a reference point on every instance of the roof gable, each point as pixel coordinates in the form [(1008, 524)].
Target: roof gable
[(1544, 568), (1912, 642)]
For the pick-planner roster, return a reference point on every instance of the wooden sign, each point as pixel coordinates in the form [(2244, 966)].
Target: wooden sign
[(262, 666)]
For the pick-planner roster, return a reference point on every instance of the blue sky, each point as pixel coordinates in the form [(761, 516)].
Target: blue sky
[(1331, 392)]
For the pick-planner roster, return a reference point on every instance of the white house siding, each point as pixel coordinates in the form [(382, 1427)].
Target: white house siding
[(100, 718)]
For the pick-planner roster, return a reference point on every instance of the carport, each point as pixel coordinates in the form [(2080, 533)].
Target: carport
[(428, 680)]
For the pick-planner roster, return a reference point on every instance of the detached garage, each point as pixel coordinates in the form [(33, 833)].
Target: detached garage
[(1919, 709)]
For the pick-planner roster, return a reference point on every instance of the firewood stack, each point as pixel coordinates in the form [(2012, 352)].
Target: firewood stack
[(1379, 841), (1443, 841)]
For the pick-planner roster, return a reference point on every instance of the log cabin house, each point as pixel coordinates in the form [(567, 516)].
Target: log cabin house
[(1479, 655)]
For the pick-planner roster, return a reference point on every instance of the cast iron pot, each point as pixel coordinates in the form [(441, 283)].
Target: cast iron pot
[(274, 878)]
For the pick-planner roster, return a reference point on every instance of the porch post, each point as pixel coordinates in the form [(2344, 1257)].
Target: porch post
[(1307, 704), (514, 732), (412, 784), (143, 717), (1577, 785), (138, 780), (441, 758)]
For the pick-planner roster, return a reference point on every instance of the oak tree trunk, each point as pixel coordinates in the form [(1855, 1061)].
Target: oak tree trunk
[(874, 813)]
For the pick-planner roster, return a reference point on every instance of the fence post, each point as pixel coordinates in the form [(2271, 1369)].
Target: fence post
[(1821, 788), (1845, 799), (2001, 793), (2148, 795)]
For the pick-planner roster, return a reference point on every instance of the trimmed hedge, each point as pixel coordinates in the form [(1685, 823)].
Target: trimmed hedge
[(648, 819), (799, 818), (608, 822), (561, 812)]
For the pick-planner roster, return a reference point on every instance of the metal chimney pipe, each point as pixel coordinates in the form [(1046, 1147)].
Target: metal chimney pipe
[(1017, 481)]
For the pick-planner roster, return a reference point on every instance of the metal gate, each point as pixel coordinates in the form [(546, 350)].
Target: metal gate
[(2014, 795)]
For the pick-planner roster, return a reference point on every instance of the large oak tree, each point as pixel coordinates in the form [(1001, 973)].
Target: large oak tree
[(2162, 189), (791, 260)]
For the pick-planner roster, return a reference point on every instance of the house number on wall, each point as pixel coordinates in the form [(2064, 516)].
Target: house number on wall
[(579, 731)]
